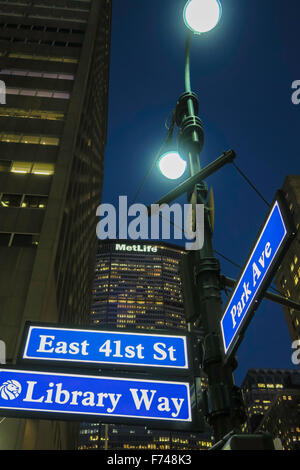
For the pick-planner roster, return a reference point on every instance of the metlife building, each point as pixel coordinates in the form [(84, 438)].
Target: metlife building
[(137, 285)]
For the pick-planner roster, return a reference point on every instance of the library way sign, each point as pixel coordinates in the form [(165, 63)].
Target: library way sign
[(92, 396), (109, 376), (271, 243)]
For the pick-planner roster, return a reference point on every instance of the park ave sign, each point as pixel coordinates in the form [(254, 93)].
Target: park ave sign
[(268, 250)]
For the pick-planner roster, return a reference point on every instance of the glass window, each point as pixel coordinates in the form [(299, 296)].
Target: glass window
[(21, 239), (4, 239), (49, 141), (292, 267), (11, 200), (30, 139), (14, 138), (43, 168), (44, 94), (5, 165), (34, 202), (21, 167)]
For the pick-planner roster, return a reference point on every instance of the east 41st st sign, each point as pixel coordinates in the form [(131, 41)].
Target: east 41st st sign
[(97, 347)]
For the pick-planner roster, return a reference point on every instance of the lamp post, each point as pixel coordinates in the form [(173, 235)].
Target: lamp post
[(224, 405)]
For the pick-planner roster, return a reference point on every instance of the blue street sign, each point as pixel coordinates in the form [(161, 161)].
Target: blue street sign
[(91, 346), (256, 275), (51, 395)]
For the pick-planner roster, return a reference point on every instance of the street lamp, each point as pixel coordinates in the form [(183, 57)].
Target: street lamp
[(225, 408), (171, 165), (201, 16)]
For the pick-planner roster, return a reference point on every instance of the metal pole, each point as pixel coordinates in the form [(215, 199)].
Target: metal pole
[(221, 388)]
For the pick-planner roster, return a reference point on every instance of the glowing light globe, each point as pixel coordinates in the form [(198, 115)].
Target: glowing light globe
[(201, 16), (171, 165)]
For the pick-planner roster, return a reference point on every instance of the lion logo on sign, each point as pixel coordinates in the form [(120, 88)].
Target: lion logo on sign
[(10, 390)]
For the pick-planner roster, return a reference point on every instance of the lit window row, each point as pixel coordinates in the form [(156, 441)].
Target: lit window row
[(42, 42), (47, 29), (31, 73), (28, 139), (38, 93), (48, 58), (23, 201), (37, 168), (262, 385), (31, 114), (18, 239)]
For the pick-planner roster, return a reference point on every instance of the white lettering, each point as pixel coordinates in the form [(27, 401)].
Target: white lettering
[(114, 401), (268, 250), (144, 398), (256, 273), (160, 351), (164, 404), (178, 404), (29, 393), (233, 315), (44, 342), (61, 393)]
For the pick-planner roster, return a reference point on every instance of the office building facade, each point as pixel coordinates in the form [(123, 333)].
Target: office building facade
[(262, 388), (282, 421), (54, 64), (287, 279)]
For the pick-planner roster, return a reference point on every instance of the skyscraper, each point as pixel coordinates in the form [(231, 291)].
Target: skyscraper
[(261, 389), (287, 278), (282, 421), (55, 67), (137, 284)]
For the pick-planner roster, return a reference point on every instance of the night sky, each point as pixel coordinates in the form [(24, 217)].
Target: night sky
[(242, 72)]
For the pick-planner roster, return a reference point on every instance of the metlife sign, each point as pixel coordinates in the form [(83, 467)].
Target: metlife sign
[(96, 347), (272, 240), (31, 393)]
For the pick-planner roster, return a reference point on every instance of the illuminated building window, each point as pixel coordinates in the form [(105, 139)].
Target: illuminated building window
[(37, 93), (42, 169), (11, 200), (31, 114), (31, 73), (34, 202), (24, 240), (71, 60), (21, 167), (292, 266), (35, 168), (28, 139)]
